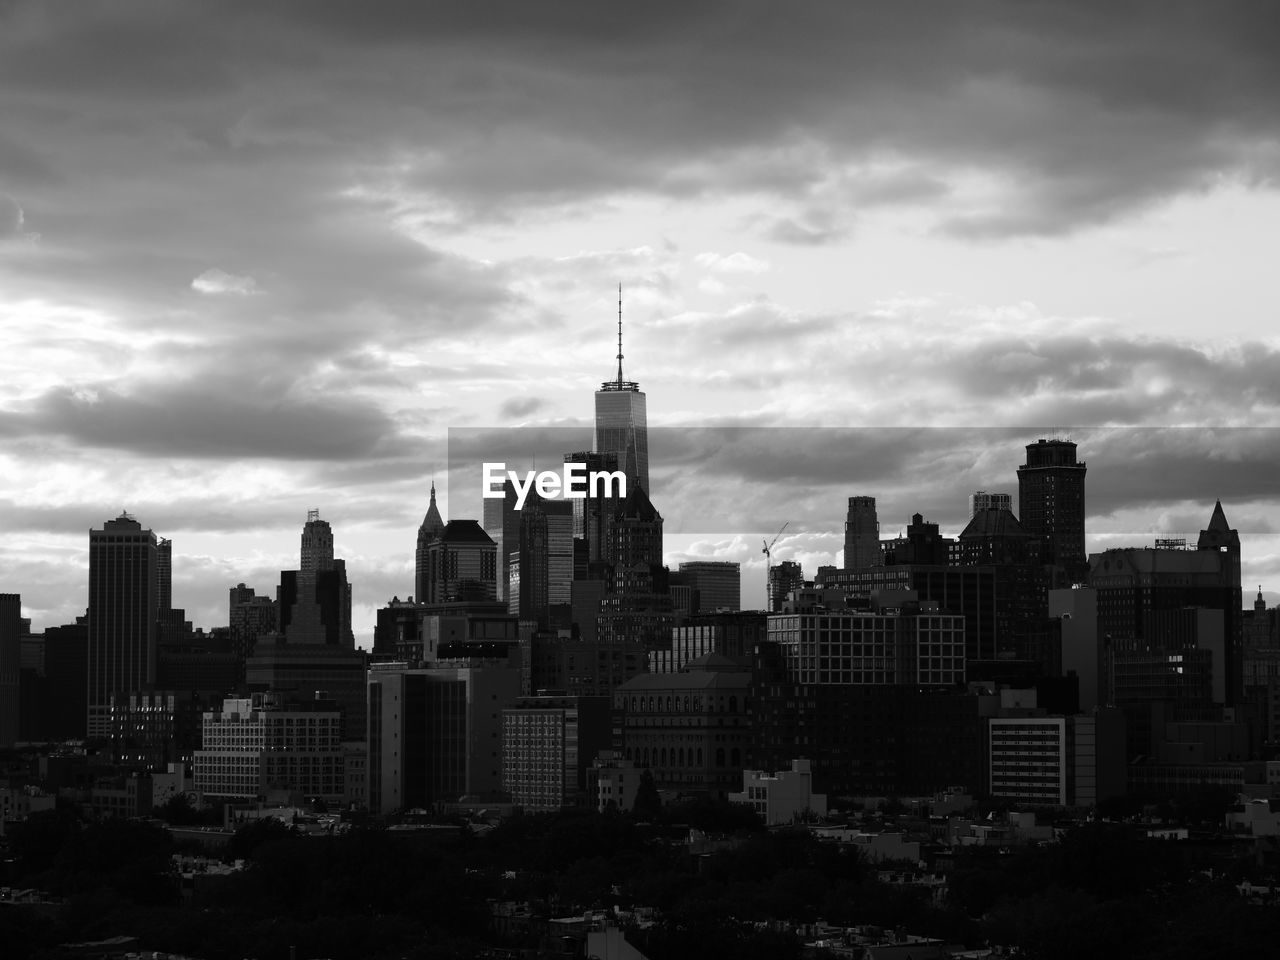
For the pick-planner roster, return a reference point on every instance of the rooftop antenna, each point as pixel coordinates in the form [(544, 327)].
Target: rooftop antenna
[(619, 336)]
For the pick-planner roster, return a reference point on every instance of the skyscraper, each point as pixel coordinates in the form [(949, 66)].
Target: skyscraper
[(622, 423), (123, 608), (718, 582), (862, 535), (1051, 503), (432, 526), (314, 602), (11, 634)]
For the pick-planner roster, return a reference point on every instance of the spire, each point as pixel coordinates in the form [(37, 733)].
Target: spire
[(619, 336), (432, 523), (1218, 522)]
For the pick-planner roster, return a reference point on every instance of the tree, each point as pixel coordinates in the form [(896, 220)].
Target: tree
[(647, 804)]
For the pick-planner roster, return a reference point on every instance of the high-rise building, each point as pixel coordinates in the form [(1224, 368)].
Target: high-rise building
[(622, 423), (862, 535), (122, 616), (784, 577), (1136, 584), (11, 633), (314, 602), (981, 500), (718, 582), (432, 526), (1051, 503), (249, 617), (593, 514), (435, 733), (462, 564)]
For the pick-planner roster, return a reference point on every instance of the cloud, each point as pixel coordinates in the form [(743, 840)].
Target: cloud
[(204, 419), (519, 407), (217, 281), (738, 262)]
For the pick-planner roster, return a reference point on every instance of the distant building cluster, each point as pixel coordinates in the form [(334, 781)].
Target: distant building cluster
[(548, 658)]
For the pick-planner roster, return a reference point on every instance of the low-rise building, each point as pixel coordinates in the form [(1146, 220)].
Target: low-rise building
[(261, 743), (782, 797)]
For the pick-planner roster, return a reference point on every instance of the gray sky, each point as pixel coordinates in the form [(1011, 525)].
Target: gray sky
[(255, 261)]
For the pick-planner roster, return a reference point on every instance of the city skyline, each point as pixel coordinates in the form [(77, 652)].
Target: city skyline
[(258, 262)]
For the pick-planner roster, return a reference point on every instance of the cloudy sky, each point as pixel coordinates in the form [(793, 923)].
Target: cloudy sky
[(254, 261)]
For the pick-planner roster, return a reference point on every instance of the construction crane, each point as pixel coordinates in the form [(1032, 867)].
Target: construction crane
[(768, 558)]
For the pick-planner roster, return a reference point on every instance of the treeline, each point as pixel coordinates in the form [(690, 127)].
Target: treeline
[(1103, 891)]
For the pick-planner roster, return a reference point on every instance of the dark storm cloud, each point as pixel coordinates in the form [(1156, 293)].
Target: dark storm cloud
[(205, 419), (1086, 111)]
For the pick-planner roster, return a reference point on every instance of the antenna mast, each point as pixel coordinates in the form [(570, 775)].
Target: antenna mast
[(619, 336)]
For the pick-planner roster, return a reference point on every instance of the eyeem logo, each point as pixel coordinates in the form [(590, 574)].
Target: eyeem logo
[(572, 483)]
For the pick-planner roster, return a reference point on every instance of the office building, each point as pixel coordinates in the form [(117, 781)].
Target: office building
[(249, 617), (1133, 583), (785, 577), (12, 631), (901, 640), (302, 671), (621, 425), (314, 601), (122, 616), (253, 745), (718, 584), (435, 733), (593, 514), (692, 729), (461, 564), (862, 535), (549, 742), (728, 634), (1051, 503)]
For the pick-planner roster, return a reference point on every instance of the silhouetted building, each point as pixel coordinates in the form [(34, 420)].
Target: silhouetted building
[(862, 535), (122, 616), (593, 514), (922, 544), (249, 617), (1051, 503), (314, 602), (435, 732), (431, 528), (12, 631), (1135, 582), (784, 577), (300, 671)]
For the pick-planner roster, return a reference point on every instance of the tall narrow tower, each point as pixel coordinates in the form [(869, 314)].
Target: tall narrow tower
[(431, 528), (621, 421), (1051, 503), (862, 535), (123, 609)]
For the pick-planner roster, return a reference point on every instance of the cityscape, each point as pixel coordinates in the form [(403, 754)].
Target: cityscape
[(569, 480)]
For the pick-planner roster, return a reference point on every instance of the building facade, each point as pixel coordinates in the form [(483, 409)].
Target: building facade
[(122, 616)]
